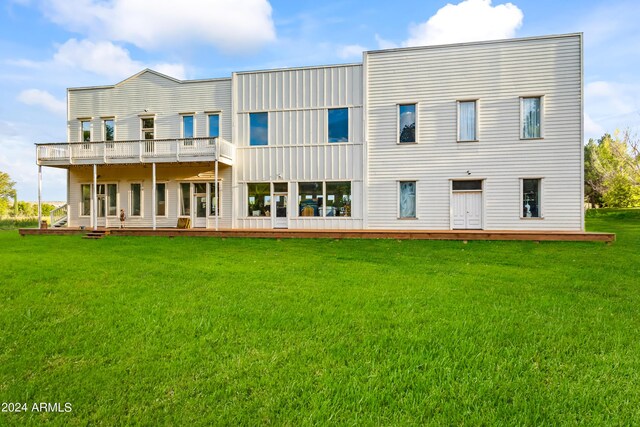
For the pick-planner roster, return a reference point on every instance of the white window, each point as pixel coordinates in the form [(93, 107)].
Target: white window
[(161, 199), (147, 126), (531, 197), (109, 129), (407, 199), (85, 190), (259, 129), (135, 203), (85, 131), (406, 123), (467, 121), (213, 127), (338, 124), (188, 129), (531, 117), (318, 199)]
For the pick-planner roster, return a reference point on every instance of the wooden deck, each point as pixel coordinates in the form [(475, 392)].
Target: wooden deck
[(573, 236)]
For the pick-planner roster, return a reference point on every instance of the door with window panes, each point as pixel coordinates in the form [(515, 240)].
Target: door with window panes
[(107, 205)]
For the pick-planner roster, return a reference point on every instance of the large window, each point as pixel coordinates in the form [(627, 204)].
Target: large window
[(85, 190), (407, 123), (185, 199), (331, 199), (259, 129), (338, 119), (531, 198), (259, 199), (467, 121), (135, 208), (161, 199), (310, 199), (85, 131), (213, 124), (338, 198), (407, 208), (531, 117), (112, 199)]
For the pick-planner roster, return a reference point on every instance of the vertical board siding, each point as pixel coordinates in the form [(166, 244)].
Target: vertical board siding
[(297, 101), (496, 74)]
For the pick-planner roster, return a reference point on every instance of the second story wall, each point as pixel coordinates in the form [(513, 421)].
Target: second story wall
[(164, 99)]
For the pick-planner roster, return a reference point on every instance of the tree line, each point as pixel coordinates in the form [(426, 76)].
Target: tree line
[(612, 171), (11, 207)]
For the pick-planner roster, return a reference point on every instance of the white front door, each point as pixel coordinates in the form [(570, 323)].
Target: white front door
[(280, 219), (467, 210), (199, 212)]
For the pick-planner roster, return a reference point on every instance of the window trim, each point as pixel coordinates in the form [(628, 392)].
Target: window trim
[(131, 215), (398, 130), (142, 129), (246, 200), (542, 119), (166, 199), (81, 210), (540, 196), (208, 126), (104, 120), (268, 127), (86, 120), (398, 190), (348, 125), (182, 116), (475, 112)]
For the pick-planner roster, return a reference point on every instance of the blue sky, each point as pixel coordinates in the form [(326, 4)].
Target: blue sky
[(49, 45)]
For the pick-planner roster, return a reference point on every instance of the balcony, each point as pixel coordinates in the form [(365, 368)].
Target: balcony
[(140, 151)]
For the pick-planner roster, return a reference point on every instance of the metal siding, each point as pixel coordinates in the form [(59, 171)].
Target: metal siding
[(497, 74), (297, 101)]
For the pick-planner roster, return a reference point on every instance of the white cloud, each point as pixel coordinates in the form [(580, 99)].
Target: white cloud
[(230, 25), (351, 51), (470, 20), (107, 59), (385, 44), (610, 106), (43, 99)]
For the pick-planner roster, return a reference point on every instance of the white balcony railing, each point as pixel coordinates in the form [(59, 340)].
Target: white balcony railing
[(139, 151)]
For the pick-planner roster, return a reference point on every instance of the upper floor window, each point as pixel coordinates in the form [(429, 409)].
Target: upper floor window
[(531, 108), (213, 125), (148, 128), (407, 123), (338, 119), (259, 129), (109, 130), (467, 123), (85, 130), (187, 126)]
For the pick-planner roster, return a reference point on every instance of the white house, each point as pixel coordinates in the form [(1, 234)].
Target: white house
[(484, 135)]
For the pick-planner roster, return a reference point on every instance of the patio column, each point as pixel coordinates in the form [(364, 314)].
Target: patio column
[(39, 196), (216, 194), (94, 205), (153, 195)]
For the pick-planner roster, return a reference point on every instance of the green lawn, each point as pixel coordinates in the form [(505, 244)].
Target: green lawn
[(202, 331)]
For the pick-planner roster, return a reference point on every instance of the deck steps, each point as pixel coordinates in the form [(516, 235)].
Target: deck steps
[(96, 234)]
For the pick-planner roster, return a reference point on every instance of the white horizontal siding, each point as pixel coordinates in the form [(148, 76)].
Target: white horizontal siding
[(124, 176), (163, 97), (497, 75)]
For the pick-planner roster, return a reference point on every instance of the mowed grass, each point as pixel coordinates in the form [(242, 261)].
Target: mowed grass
[(202, 331)]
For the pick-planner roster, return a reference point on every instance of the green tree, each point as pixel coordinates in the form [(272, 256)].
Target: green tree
[(612, 174), (7, 192)]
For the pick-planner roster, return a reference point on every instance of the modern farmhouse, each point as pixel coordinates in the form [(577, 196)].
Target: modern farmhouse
[(483, 135)]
